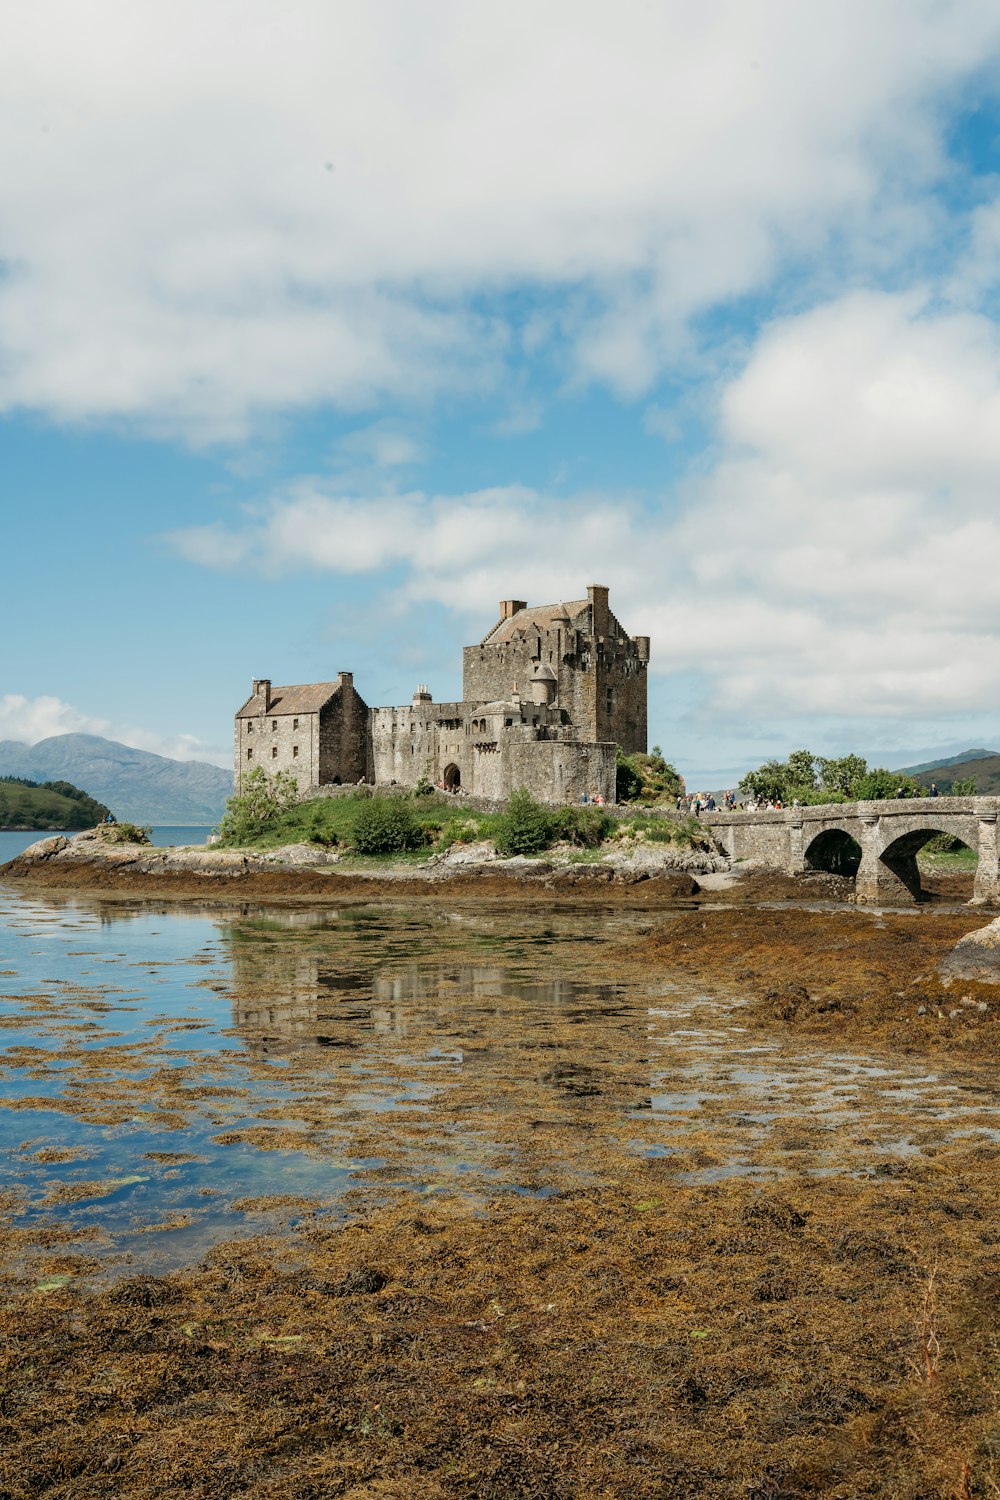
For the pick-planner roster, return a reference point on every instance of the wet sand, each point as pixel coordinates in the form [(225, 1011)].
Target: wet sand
[(692, 1200)]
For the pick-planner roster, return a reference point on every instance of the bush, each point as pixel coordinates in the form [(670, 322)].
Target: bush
[(628, 782), (584, 826), (686, 833), (523, 828), (259, 806), (385, 825), (124, 833), (646, 777)]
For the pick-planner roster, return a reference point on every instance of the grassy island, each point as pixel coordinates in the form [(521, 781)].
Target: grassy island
[(48, 804)]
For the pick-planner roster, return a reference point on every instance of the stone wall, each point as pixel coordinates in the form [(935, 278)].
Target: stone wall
[(280, 742), (344, 734), (322, 745)]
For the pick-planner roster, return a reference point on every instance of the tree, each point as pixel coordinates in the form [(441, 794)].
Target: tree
[(879, 785), (965, 786), (842, 773), (258, 806), (768, 783)]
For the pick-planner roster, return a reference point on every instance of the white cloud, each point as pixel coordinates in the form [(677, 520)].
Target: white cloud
[(29, 720), (213, 212), (33, 719), (840, 559)]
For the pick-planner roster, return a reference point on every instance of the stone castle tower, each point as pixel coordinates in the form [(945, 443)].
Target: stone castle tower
[(591, 666)]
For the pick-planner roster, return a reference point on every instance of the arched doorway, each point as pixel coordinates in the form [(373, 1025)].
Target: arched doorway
[(452, 778)]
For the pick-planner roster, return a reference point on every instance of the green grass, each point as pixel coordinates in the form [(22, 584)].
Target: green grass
[(329, 823), (957, 860)]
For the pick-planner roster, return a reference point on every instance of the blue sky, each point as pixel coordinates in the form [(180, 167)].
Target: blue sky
[(324, 327)]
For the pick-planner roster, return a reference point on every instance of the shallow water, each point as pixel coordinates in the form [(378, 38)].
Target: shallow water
[(170, 1077)]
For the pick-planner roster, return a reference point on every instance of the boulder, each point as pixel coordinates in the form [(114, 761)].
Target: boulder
[(976, 956)]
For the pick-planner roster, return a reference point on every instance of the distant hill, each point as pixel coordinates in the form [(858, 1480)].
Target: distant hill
[(57, 804), (931, 766), (135, 784), (982, 765)]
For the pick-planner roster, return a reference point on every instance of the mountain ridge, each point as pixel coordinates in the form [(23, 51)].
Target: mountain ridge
[(136, 784)]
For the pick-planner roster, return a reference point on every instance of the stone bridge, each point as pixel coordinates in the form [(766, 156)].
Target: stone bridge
[(889, 834)]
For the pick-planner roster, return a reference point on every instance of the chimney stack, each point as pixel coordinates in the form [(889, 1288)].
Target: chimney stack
[(262, 689), (597, 593), (510, 607)]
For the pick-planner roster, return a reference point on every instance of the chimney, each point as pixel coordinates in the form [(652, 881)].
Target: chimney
[(422, 695), (597, 593), (346, 679), (510, 607), (642, 647), (262, 689)]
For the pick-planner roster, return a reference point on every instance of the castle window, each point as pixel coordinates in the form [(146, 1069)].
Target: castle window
[(295, 723), (295, 752), (250, 728), (508, 722), (249, 755), (274, 752), (611, 700), (274, 723)]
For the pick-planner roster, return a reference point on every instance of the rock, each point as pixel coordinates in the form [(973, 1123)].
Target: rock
[(655, 859), (467, 854), (581, 875), (976, 956), (45, 849), (301, 854)]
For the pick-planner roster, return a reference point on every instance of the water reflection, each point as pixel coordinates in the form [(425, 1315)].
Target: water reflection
[(160, 1066)]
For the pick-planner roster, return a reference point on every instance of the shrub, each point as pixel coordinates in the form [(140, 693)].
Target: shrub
[(628, 782), (258, 806), (458, 830), (124, 833), (385, 825), (584, 826), (524, 826)]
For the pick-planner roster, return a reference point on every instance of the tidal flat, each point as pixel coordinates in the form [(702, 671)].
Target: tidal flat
[(496, 1197)]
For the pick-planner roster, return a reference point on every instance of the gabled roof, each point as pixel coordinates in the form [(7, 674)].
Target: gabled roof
[(542, 616), (301, 698)]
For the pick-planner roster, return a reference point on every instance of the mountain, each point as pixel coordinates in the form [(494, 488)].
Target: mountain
[(982, 765), (135, 784), (930, 766)]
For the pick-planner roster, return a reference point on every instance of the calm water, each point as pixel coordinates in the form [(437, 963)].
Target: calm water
[(14, 843), (170, 1077)]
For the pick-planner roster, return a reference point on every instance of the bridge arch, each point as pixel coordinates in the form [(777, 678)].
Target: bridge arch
[(900, 856), (835, 850)]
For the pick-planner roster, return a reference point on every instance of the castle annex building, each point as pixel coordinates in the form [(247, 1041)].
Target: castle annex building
[(547, 695)]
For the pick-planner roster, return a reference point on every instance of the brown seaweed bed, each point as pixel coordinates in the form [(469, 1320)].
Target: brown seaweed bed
[(489, 1198)]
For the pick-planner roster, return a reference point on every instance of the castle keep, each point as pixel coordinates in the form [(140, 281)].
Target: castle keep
[(548, 694)]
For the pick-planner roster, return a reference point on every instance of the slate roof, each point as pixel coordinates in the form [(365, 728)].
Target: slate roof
[(542, 615), (301, 698)]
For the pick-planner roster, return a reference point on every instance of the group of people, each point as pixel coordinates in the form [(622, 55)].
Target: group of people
[(595, 799), (699, 802)]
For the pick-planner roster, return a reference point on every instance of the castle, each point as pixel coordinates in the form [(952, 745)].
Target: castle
[(548, 694)]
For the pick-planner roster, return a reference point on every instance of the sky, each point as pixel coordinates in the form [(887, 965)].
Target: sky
[(325, 326)]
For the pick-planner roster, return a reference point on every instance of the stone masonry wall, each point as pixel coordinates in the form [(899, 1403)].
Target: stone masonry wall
[(343, 734), (280, 742)]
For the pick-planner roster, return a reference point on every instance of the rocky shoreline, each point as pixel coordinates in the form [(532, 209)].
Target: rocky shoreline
[(89, 859)]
